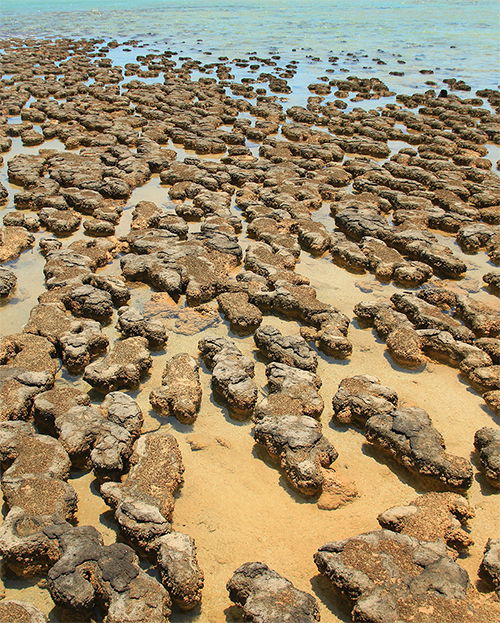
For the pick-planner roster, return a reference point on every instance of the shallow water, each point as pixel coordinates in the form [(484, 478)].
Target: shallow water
[(451, 37), (234, 501)]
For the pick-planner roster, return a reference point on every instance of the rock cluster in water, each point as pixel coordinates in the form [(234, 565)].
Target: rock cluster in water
[(258, 176)]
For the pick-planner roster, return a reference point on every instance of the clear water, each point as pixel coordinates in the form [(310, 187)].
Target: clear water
[(452, 37)]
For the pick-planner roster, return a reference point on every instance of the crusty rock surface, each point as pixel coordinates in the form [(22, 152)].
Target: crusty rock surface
[(39, 467), (426, 316), (267, 597), (25, 548), (487, 444), (89, 574), (27, 367), (122, 368), (180, 391), (143, 503), (288, 349), (360, 397), (408, 436), (232, 374), (179, 569), (132, 323), (490, 565), (14, 611), (432, 517), (299, 446), (390, 576), (243, 316), (89, 302), (8, 282), (99, 438), (79, 340), (291, 392), (13, 241)]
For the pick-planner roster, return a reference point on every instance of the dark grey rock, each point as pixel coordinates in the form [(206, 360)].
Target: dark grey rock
[(299, 446), (267, 597), (232, 374), (487, 444), (291, 350)]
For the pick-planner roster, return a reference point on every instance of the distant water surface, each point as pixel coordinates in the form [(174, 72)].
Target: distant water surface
[(454, 37)]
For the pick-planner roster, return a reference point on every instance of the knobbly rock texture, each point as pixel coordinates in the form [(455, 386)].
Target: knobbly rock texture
[(360, 397), (487, 444), (180, 391), (89, 574), (39, 467), (179, 569), (291, 392), (390, 576), (132, 323), (13, 241), (287, 349), (261, 208), (490, 565), (143, 503), (242, 315), (432, 517), (28, 367), (406, 434), (267, 597), (13, 611), (79, 341), (122, 367), (8, 282), (297, 443), (416, 327), (100, 438), (232, 374), (89, 302)]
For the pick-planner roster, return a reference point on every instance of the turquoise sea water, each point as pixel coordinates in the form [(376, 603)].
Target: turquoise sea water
[(452, 37), (461, 35)]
